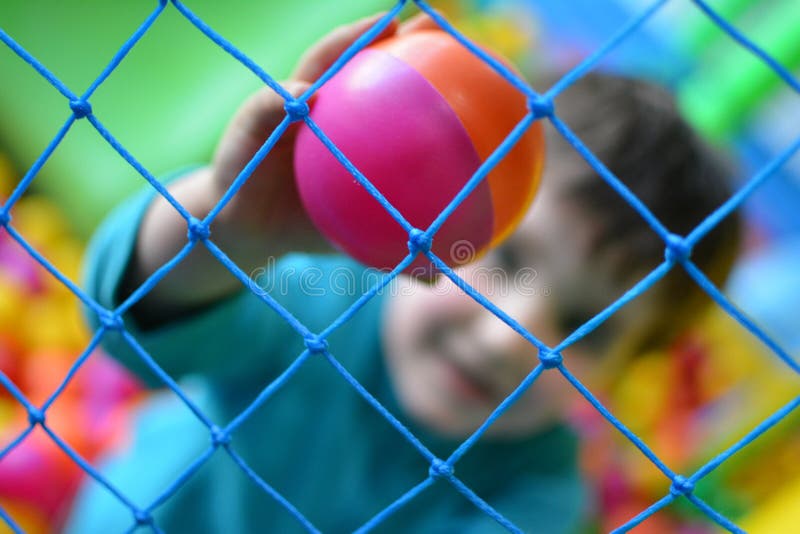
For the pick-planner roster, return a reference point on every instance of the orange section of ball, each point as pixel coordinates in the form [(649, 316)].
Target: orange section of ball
[(489, 107)]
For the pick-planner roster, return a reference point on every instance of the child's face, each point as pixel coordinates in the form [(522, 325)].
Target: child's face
[(453, 362)]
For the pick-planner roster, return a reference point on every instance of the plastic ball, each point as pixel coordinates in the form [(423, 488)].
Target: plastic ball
[(28, 518), (18, 265), (40, 221), (36, 472), (43, 372), (417, 114), (12, 300), (49, 321), (104, 383)]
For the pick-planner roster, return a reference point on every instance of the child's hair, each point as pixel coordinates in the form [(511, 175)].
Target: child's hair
[(636, 130)]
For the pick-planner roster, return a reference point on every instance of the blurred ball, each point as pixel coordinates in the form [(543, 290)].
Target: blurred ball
[(12, 301), (29, 519), (36, 472), (417, 114)]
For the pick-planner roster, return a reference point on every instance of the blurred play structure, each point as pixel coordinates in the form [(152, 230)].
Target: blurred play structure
[(688, 404), (41, 337)]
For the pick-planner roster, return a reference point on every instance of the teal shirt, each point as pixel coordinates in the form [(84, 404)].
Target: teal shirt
[(315, 440)]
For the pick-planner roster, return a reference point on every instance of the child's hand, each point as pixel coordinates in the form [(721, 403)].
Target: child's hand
[(268, 203), (265, 217)]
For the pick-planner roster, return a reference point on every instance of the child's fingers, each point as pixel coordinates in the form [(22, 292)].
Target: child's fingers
[(264, 110), (255, 120), (322, 55), (421, 21)]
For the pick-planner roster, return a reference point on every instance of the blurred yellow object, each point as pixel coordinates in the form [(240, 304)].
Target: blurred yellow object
[(768, 464), (690, 406), (65, 256), (9, 411), (502, 33), (747, 383), (509, 32), (28, 519), (642, 397), (40, 222), (52, 321), (11, 303), (780, 514)]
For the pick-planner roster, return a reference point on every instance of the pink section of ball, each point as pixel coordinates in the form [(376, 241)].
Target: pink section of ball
[(17, 264), (403, 136)]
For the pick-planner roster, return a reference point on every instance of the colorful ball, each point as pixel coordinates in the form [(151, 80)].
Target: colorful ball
[(417, 114), (39, 474)]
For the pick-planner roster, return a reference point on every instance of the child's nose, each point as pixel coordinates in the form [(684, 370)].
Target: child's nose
[(502, 349)]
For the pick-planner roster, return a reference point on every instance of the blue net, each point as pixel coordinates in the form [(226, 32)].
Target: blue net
[(678, 250)]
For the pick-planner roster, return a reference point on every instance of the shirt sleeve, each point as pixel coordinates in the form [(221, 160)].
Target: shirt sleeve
[(238, 338)]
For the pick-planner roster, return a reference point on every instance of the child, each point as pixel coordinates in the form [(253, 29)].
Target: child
[(437, 360)]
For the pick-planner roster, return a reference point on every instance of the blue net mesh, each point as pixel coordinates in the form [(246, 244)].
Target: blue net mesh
[(677, 256)]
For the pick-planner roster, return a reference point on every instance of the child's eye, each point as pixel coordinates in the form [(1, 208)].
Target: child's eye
[(571, 321)]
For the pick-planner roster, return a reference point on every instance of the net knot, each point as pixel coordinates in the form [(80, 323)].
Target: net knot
[(550, 359), (198, 230), (541, 107), (681, 486), (296, 109), (142, 518), (35, 416), (678, 249), (111, 320), (419, 241), (219, 437), (440, 469), (316, 345), (80, 108)]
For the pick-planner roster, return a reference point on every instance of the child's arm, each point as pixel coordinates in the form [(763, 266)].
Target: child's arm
[(264, 219), (229, 339)]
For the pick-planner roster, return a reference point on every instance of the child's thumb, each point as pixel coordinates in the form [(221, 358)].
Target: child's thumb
[(258, 117)]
